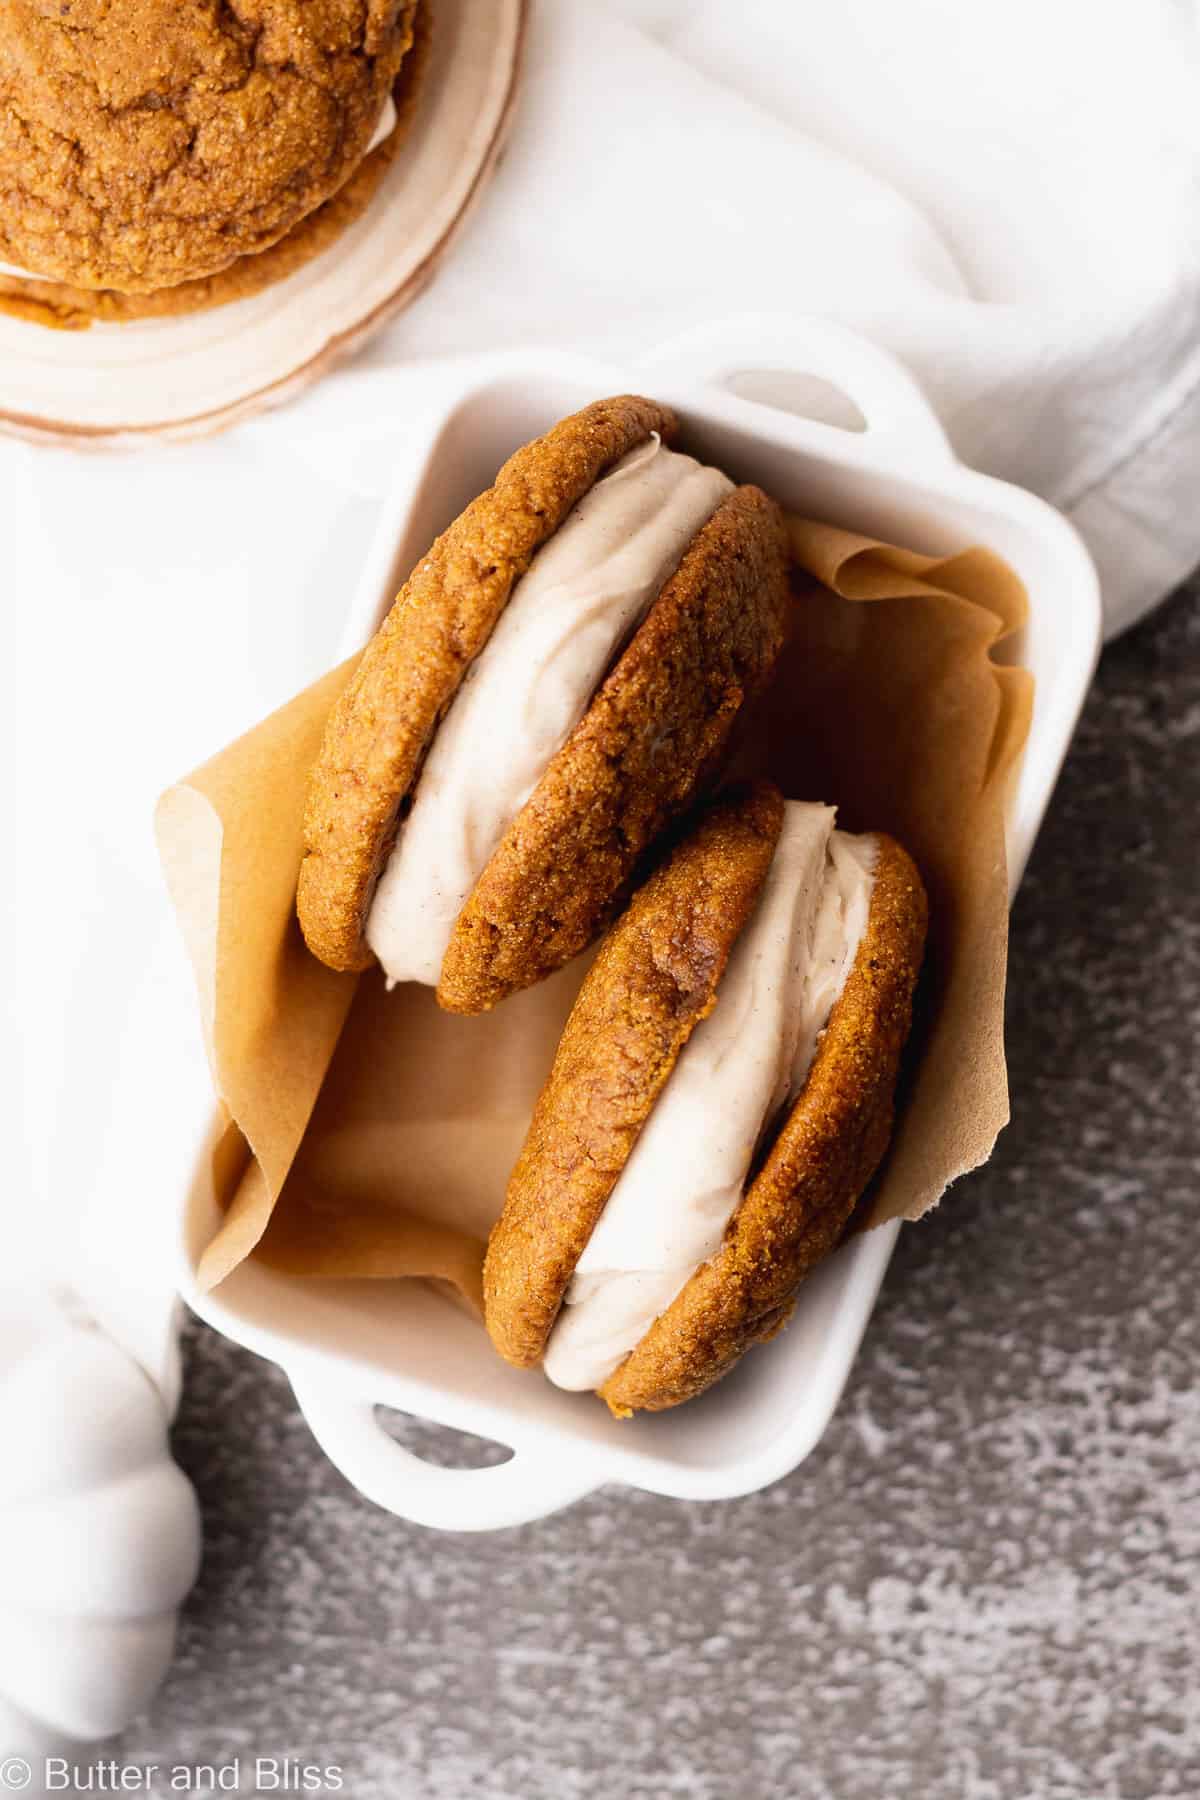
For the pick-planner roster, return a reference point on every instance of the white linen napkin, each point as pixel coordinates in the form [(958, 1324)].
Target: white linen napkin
[(1005, 194)]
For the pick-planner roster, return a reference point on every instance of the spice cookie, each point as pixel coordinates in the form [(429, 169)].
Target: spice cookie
[(675, 1188), (63, 306), (557, 679), (151, 144)]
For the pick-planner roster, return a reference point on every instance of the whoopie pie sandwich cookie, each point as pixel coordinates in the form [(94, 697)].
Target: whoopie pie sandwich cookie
[(721, 1096), (557, 679), (159, 158)]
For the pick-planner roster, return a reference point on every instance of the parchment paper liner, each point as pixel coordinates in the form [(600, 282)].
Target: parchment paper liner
[(370, 1134)]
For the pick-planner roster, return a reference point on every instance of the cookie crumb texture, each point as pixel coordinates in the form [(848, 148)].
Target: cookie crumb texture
[(145, 143)]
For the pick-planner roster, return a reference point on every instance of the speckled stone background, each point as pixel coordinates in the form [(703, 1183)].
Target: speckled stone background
[(985, 1584)]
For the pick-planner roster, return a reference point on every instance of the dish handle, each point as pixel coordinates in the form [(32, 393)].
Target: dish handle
[(528, 1486), (888, 398)]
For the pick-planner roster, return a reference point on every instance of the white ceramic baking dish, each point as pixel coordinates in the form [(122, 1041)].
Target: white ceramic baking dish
[(350, 1347)]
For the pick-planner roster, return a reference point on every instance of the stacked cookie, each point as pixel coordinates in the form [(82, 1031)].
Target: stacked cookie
[(526, 754), (158, 158)]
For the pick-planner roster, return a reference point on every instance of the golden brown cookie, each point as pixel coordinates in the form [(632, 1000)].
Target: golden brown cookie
[(796, 1209), (151, 143), (654, 979), (603, 1087), (411, 670), (654, 734), (66, 308)]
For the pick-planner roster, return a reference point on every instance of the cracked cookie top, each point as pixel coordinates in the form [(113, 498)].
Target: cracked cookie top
[(149, 142)]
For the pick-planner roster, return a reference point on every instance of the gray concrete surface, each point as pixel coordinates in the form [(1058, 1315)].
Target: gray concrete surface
[(985, 1585)]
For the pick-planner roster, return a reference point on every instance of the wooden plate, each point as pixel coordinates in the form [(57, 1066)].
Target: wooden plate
[(117, 384)]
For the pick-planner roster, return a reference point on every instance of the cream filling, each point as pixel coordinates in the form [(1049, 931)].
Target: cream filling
[(584, 593), (29, 274), (384, 129), (385, 126), (686, 1174)]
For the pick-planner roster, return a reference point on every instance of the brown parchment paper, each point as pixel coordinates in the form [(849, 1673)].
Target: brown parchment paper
[(370, 1134)]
